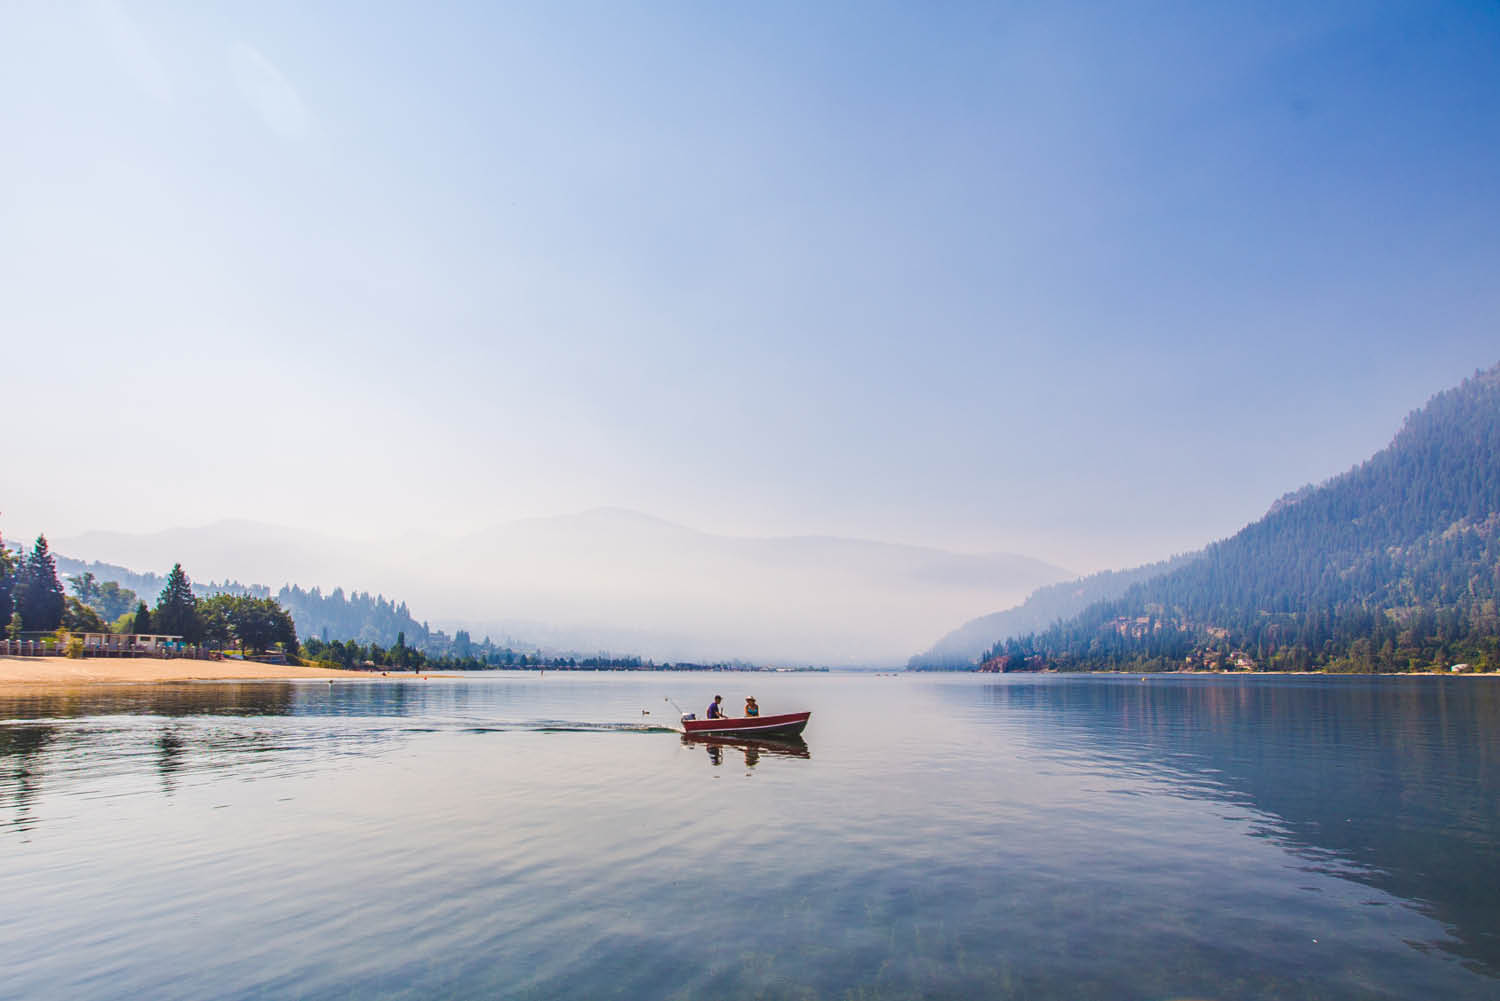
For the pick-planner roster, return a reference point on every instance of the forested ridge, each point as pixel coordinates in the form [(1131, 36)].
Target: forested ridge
[(1393, 566), (354, 629), (354, 615), (1041, 608)]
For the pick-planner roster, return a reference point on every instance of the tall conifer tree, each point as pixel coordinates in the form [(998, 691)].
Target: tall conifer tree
[(7, 584), (177, 607), (39, 597)]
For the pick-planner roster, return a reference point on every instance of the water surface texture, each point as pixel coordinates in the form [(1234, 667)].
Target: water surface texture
[(519, 836)]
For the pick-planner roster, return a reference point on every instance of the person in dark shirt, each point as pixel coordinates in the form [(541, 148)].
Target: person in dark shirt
[(715, 711)]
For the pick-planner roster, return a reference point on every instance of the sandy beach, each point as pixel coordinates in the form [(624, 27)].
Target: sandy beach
[(126, 670)]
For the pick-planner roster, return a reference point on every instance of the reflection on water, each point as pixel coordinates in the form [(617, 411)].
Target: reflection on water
[(176, 699), (21, 746), (751, 748), (1387, 781), (74, 739), (170, 758), (955, 837)]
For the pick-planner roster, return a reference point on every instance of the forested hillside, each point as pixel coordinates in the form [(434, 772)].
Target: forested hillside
[(961, 648), (1394, 565), (368, 618), (358, 616), (143, 584)]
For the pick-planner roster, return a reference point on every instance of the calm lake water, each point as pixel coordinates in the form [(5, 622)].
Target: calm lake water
[(512, 836)]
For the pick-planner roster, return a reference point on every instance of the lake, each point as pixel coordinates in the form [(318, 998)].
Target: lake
[(937, 836)]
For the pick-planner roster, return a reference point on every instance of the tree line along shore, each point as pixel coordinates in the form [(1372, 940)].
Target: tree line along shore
[(245, 621), (35, 606)]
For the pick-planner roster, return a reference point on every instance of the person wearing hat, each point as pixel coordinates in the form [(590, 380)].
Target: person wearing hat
[(751, 708)]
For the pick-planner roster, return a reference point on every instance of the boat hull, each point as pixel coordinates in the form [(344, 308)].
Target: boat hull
[(784, 725)]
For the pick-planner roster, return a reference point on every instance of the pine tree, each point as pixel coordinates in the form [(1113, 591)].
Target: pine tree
[(142, 623), (177, 608), (39, 597), (7, 584)]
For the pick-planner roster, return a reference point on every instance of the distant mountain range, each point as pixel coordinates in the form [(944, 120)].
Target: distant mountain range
[(1395, 565), (621, 581)]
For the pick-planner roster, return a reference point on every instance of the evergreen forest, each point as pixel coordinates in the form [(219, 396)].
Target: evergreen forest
[(351, 630), (1392, 566)]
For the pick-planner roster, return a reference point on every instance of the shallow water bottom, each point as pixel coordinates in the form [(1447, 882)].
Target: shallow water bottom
[(934, 837)]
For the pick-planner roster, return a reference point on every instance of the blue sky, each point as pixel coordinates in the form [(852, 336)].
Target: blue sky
[(1091, 282)]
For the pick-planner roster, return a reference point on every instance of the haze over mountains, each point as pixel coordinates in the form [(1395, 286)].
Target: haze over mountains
[(622, 581), (1392, 566), (963, 647)]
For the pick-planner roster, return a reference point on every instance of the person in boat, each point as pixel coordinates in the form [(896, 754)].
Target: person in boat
[(715, 710), (751, 708)]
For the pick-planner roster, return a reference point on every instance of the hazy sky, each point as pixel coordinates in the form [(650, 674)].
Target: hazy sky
[(1090, 282)]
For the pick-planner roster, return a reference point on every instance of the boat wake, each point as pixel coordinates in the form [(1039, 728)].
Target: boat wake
[(565, 726)]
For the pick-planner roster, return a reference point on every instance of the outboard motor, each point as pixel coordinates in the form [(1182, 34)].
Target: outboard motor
[(688, 716)]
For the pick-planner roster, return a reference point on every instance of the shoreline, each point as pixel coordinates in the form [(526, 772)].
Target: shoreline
[(32, 671), (65, 671), (1242, 674)]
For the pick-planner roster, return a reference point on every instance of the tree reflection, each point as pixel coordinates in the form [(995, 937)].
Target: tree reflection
[(21, 748), (93, 734), (169, 758), (171, 699), (1391, 777)]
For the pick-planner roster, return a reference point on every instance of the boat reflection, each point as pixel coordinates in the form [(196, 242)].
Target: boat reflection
[(751, 747)]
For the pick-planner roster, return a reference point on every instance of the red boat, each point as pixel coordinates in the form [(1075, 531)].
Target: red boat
[(785, 725)]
